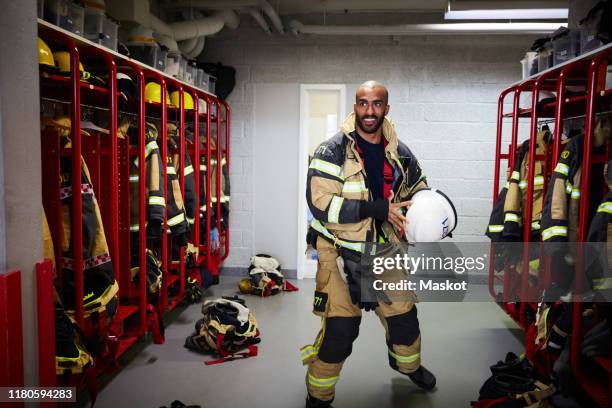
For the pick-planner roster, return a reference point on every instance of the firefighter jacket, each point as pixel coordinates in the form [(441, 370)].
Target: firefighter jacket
[(562, 203), (189, 177), (600, 230), (225, 188), (337, 190), (496, 219), (507, 220), (155, 202), (98, 276), (177, 221), (516, 198)]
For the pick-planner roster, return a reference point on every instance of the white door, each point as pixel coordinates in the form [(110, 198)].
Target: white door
[(322, 109)]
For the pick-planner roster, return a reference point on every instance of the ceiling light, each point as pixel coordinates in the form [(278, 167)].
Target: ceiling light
[(509, 14), (427, 29)]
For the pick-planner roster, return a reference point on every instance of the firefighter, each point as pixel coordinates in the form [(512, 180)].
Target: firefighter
[(358, 183)]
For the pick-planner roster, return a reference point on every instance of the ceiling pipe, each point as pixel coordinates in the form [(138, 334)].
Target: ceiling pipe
[(272, 15), (169, 43), (160, 27), (233, 4), (184, 30), (186, 47), (231, 18), (426, 29), (259, 19), (199, 47), (195, 47)]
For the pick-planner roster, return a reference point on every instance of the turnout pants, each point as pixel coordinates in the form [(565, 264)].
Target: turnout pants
[(340, 327)]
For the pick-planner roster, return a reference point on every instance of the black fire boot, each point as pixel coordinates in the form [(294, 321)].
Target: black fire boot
[(312, 402), (423, 378)]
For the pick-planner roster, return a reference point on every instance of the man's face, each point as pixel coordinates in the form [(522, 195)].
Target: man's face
[(370, 108)]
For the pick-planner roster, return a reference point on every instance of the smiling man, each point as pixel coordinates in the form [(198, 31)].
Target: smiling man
[(358, 184)]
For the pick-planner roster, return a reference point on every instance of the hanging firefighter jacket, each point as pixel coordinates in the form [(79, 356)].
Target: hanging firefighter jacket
[(225, 187), (562, 203), (189, 177), (600, 230), (155, 205), (154, 196), (71, 354), (516, 197), (506, 220), (225, 193), (99, 286), (177, 222), (560, 216)]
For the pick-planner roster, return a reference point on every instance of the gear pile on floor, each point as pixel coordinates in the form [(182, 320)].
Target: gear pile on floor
[(227, 328), (265, 277)]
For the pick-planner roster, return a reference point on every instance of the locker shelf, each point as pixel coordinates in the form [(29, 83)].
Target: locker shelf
[(60, 87), (124, 344), (125, 311)]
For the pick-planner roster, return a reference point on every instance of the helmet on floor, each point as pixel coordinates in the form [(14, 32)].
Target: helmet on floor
[(245, 286), (187, 101), (45, 56), (153, 93), (431, 217)]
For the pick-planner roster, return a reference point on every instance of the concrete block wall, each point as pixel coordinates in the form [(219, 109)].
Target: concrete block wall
[(443, 96)]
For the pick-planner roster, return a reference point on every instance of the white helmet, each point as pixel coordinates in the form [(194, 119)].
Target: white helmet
[(431, 217)]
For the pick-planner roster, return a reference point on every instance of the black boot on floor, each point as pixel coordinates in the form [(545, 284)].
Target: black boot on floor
[(423, 378), (312, 402)]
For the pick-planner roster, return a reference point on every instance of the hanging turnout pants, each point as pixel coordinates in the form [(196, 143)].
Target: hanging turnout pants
[(340, 327)]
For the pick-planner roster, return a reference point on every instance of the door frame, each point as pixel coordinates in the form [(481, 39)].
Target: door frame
[(306, 269)]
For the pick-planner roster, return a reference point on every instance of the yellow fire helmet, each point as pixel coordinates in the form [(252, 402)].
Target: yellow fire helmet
[(245, 286), (62, 60), (45, 56), (188, 100), (153, 93)]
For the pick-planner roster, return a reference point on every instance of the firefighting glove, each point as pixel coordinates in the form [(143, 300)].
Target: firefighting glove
[(360, 277), (194, 291)]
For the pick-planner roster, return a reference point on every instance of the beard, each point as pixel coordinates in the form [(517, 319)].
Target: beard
[(369, 129)]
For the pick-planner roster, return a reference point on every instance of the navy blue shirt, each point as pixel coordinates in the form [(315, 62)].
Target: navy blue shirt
[(373, 156)]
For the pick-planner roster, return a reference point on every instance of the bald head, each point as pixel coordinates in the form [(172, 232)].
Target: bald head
[(372, 85), (371, 106)]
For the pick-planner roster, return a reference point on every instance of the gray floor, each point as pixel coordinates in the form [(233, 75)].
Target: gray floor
[(460, 341)]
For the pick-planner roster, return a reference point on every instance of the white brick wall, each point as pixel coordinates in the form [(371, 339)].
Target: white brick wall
[(443, 96)]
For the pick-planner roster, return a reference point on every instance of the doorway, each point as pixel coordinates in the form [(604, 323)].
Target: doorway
[(322, 108)]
